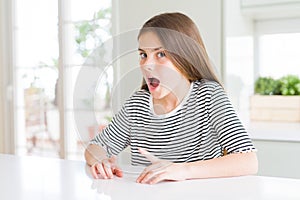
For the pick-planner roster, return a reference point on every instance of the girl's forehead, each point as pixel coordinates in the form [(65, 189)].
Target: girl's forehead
[(149, 40)]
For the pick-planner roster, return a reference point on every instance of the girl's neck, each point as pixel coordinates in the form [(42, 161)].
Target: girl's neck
[(172, 100)]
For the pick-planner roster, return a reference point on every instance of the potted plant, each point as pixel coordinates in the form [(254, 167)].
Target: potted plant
[(276, 99)]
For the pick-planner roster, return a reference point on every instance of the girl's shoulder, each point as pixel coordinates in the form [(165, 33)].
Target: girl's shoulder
[(139, 96), (206, 85)]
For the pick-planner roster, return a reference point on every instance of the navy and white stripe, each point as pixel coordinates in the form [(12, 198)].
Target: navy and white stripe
[(202, 127)]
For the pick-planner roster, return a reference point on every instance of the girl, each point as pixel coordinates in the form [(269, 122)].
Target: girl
[(180, 125)]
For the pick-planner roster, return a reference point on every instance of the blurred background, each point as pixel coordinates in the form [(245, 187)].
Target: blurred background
[(45, 43)]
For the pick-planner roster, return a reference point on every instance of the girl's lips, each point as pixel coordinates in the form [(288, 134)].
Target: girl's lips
[(154, 82)]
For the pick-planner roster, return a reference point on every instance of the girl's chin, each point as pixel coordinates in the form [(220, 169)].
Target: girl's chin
[(152, 89), (155, 92)]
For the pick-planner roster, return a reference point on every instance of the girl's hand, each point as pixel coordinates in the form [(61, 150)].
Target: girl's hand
[(160, 170), (106, 168)]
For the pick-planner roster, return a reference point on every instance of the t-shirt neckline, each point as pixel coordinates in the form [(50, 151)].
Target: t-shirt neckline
[(174, 110)]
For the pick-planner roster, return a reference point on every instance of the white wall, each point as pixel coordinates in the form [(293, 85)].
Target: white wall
[(130, 15), (235, 23), (1, 78)]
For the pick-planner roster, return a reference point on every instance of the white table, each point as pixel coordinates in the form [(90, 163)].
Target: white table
[(44, 178)]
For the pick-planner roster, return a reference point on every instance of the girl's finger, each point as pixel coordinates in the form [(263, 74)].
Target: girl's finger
[(153, 170), (150, 169), (94, 170), (158, 178), (117, 171), (141, 177), (101, 170), (147, 177), (107, 168)]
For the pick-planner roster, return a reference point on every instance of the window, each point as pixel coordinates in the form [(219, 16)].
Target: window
[(278, 45), (52, 40), (272, 49), (35, 69)]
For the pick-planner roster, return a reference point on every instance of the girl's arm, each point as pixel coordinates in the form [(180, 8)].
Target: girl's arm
[(94, 153), (101, 165), (236, 164), (114, 138)]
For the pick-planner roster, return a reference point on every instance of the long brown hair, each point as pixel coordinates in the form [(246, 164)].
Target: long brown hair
[(181, 39)]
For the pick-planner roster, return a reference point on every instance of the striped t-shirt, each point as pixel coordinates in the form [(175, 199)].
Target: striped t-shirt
[(202, 127)]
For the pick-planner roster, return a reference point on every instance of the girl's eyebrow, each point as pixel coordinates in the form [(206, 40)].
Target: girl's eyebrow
[(150, 49)]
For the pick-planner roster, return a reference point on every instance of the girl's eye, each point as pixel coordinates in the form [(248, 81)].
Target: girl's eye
[(143, 55), (161, 54)]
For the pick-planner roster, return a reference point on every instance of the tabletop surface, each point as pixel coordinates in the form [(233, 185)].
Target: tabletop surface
[(45, 178)]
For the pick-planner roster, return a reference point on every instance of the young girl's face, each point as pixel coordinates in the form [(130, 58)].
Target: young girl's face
[(160, 74)]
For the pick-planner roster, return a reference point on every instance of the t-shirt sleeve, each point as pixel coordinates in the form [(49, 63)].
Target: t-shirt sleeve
[(232, 135), (116, 136)]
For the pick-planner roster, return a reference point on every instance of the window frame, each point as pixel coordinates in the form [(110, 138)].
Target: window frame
[(271, 26), (7, 140)]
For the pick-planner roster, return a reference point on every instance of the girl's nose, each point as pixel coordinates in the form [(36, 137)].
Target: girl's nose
[(149, 64), (149, 67)]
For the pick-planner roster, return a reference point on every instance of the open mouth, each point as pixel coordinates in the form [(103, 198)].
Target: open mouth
[(154, 82)]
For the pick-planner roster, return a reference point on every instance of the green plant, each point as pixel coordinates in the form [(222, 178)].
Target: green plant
[(287, 85), (290, 85), (267, 86), (90, 31)]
